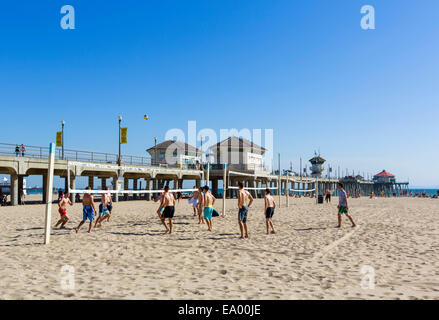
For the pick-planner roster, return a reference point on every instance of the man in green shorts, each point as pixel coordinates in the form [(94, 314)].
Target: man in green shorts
[(208, 202), (343, 205)]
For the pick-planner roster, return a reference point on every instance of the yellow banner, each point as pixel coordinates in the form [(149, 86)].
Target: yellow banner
[(59, 139), (123, 135)]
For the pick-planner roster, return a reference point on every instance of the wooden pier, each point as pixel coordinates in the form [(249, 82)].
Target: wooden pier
[(156, 176)]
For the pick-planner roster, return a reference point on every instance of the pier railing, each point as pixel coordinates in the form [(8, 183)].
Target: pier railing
[(76, 155)]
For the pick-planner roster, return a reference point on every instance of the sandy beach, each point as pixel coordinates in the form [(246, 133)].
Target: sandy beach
[(130, 258)]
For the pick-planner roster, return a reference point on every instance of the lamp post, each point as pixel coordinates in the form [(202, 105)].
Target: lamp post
[(155, 151), (201, 147), (62, 138), (119, 160)]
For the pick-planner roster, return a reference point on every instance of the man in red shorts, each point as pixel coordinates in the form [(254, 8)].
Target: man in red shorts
[(62, 204)]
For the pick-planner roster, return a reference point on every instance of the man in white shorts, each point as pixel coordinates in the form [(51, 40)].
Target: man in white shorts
[(194, 200)]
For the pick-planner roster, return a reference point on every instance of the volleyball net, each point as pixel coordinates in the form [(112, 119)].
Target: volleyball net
[(117, 189), (236, 173)]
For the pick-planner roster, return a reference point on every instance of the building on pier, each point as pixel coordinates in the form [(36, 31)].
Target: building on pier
[(385, 184), (384, 177), (172, 152), (239, 154), (317, 166)]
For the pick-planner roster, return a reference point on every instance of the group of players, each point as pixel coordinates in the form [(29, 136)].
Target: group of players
[(88, 210), (202, 201)]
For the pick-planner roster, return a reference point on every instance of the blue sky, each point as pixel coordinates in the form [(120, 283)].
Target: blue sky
[(367, 99)]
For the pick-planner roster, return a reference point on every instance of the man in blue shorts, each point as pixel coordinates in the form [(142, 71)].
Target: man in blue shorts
[(88, 211), (243, 197)]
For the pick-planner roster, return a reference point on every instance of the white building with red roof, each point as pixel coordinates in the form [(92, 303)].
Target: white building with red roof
[(384, 177)]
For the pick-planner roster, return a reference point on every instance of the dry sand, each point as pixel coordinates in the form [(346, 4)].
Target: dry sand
[(308, 258)]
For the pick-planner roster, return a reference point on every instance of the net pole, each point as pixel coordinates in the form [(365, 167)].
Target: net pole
[(288, 192), (68, 178), (208, 175), (49, 193), (316, 189), (279, 185), (224, 188)]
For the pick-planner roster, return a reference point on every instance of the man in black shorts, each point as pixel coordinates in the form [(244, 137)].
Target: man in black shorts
[(327, 196), (270, 204), (168, 204)]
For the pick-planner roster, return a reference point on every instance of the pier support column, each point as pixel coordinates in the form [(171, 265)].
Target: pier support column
[(72, 186), (116, 195), (103, 183), (180, 183), (14, 189), (254, 192), (215, 187), (229, 191), (155, 186), (91, 182), (126, 182), (44, 188), (148, 187), (20, 184), (66, 185), (135, 188)]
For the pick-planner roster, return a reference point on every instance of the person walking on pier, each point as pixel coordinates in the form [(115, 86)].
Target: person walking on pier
[(243, 197), (168, 203), (88, 211), (17, 150), (343, 207), (62, 209), (23, 150), (208, 202), (270, 205)]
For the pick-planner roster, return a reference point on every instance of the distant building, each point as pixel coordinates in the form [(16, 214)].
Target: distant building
[(173, 152), (317, 166), (384, 177), (238, 153)]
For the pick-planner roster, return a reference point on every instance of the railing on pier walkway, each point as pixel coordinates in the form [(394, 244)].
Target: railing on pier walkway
[(76, 155), (239, 167)]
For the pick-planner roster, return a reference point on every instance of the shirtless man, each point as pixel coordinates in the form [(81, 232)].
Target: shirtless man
[(160, 209), (208, 202), (104, 212), (270, 204), (62, 209), (243, 197), (194, 201), (88, 211), (109, 205), (168, 203), (200, 205)]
